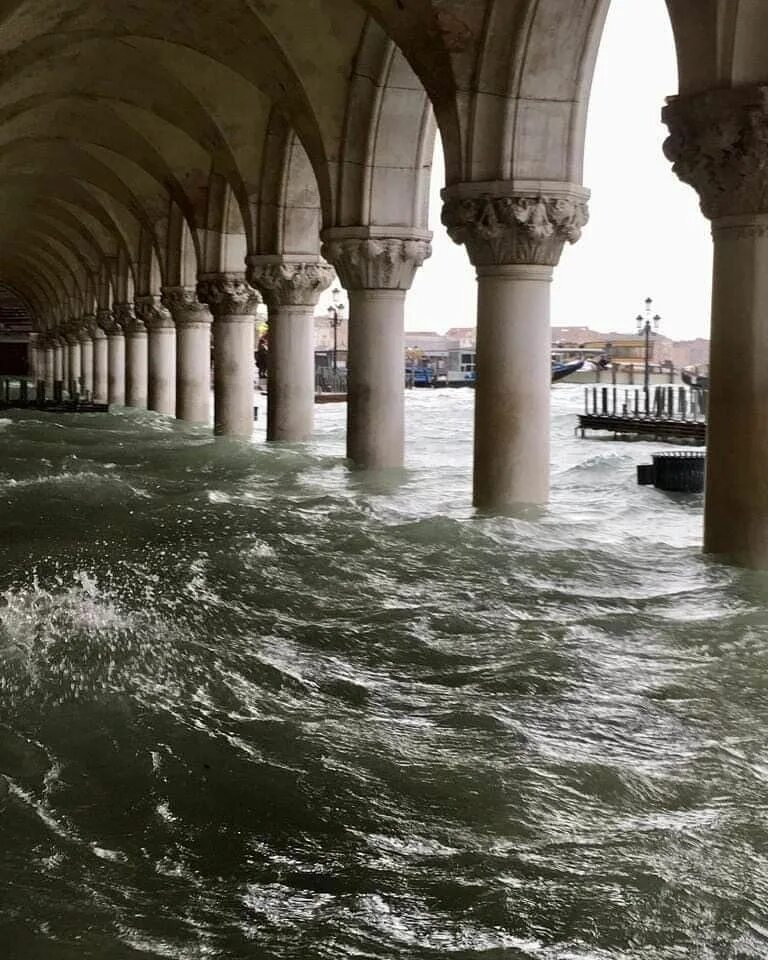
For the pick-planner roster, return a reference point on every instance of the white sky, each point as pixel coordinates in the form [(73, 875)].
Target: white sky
[(646, 236)]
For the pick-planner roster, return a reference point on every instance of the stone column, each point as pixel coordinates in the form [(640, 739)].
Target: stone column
[(377, 270), (58, 363), (49, 372), (64, 359), (291, 288), (193, 353), (100, 362), (35, 364), (514, 236), (75, 354), (162, 354), (719, 145), (136, 356), (116, 355), (233, 303), (86, 352)]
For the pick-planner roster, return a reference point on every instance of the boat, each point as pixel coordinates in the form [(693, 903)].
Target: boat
[(560, 370)]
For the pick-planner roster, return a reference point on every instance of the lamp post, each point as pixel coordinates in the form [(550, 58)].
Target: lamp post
[(646, 323), (335, 320)]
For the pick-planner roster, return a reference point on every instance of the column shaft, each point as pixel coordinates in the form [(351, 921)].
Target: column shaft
[(75, 366), (116, 375), (100, 368), (86, 350), (50, 370), (136, 369), (58, 352), (376, 407), (162, 370), (512, 408), (233, 349), (291, 384), (736, 512), (193, 366)]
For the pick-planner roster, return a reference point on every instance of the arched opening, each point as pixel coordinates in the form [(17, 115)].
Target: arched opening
[(15, 329)]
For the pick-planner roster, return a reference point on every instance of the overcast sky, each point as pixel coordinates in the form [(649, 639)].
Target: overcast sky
[(646, 236)]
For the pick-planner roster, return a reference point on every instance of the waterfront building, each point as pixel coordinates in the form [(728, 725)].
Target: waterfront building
[(162, 179)]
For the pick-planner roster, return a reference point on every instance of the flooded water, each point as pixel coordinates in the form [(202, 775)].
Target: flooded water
[(253, 705)]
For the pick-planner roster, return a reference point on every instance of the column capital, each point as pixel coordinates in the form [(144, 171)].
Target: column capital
[(125, 313), (507, 222), (376, 258), (106, 319), (186, 309), (285, 281), (84, 328), (153, 313), (718, 144), (228, 295)]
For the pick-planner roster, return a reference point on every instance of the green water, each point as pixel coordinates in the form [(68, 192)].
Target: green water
[(253, 705)]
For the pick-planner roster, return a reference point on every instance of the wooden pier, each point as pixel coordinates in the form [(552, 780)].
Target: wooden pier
[(666, 414)]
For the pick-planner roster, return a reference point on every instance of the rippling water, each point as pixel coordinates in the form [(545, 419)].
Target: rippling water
[(255, 706)]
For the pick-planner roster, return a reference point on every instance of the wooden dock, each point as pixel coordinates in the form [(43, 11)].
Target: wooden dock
[(665, 414)]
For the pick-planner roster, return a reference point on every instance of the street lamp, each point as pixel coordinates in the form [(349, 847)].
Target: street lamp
[(646, 323), (335, 320)]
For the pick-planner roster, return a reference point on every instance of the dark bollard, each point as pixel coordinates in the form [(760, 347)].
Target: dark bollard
[(58, 391), (605, 400), (40, 393)]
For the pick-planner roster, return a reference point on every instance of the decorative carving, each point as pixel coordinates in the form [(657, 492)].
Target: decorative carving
[(516, 229), (718, 144), (85, 328), (228, 295), (185, 307), (126, 317), (108, 323), (153, 313), (286, 283), (376, 263)]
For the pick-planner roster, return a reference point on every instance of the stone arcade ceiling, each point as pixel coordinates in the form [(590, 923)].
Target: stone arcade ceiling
[(137, 136)]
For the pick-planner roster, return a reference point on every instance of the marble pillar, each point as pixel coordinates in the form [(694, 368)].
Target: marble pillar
[(162, 354), (717, 143), (100, 362), (58, 363), (514, 238), (86, 352), (75, 353), (377, 269), (193, 353), (136, 356), (232, 302), (116, 358), (49, 373), (291, 287)]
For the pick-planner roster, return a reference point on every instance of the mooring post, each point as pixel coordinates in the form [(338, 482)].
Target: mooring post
[(605, 400)]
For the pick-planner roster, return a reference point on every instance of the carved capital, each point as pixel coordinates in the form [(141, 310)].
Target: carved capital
[(153, 314), (125, 314), (718, 144), (228, 296), (525, 229), (108, 322), (283, 282), (185, 308), (375, 262)]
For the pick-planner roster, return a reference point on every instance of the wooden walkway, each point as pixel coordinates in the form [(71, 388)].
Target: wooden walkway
[(662, 414)]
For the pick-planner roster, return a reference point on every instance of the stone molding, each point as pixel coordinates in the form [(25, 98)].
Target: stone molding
[(154, 314), (375, 262), (108, 322), (185, 308), (132, 325), (289, 283), (517, 228), (228, 295), (718, 144)]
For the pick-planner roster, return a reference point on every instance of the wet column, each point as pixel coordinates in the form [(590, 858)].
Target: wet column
[(514, 238), (291, 288), (162, 354), (58, 364), (233, 302), (65, 359), (35, 361), (100, 362), (49, 368), (136, 357), (717, 143), (116, 355), (75, 361), (86, 352), (377, 270), (193, 353)]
